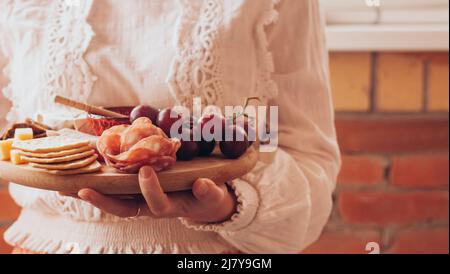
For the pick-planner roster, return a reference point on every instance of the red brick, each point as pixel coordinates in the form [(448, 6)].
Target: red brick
[(352, 242), (366, 170), (385, 208), (4, 247), (421, 241), (9, 211), (420, 171), (392, 134), (435, 57)]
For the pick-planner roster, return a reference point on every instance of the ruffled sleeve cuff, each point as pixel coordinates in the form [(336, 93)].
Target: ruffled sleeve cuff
[(248, 202)]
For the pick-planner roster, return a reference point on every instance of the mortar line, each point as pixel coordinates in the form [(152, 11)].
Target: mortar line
[(426, 81), (373, 82)]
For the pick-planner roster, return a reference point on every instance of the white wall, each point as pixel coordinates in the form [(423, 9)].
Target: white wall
[(344, 4), (389, 12), (403, 25)]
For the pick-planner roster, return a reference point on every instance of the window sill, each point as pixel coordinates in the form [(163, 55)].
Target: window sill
[(388, 37)]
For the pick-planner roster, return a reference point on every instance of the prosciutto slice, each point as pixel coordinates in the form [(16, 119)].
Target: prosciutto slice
[(128, 148)]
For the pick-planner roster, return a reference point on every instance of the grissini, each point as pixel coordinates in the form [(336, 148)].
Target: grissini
[(87, 108)]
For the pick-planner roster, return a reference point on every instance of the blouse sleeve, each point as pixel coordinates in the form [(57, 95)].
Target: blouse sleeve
[(284, 204), (21, 25), (20, 19), (5, 55)]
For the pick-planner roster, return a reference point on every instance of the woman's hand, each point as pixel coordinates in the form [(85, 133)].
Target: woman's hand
[(206, 203)]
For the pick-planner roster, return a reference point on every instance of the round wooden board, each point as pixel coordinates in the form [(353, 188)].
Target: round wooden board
[(180, 177)]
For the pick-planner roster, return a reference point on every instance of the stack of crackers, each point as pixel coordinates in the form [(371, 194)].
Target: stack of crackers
[(58, 155)]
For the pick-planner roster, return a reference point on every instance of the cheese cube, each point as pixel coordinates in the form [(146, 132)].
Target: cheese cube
[(23, 134), (16, 157), (5, 149)]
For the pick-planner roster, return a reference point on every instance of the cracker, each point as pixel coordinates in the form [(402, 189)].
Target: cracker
[(67, 166), (92, 168), (63, 159), (56, 154), (49, 144)]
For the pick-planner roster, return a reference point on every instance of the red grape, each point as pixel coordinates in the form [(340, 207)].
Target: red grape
[(238, 146), (212, 124), (190, 122), (144, 111), (250, 129), (165, 121), (246, 123), (228, 129), (206, 148), (189, 149)]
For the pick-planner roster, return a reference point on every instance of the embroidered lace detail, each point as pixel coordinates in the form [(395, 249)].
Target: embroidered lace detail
[(69, 36), (64, 235), (266, 86), (196, 71)]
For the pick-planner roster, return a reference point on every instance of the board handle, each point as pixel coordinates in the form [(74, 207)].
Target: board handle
[(87, 108)]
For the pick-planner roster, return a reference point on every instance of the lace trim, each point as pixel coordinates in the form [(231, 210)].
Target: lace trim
[(69, 36), (266, 87), (12, 115), (58, 235), (47, 245), (196, 70), (248, 203)]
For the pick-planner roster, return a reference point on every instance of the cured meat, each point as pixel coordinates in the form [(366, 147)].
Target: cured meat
[(128, 148)]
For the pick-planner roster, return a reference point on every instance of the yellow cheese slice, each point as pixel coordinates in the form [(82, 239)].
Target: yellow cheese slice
[(23, 134), (5, 149), (16, 157)]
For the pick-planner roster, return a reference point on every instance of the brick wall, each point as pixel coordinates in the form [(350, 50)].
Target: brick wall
[(392, 124), (8, 213)]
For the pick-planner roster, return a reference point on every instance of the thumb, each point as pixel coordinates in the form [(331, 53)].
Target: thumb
[(206, 191)]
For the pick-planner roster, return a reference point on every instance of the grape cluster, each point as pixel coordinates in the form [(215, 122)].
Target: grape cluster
[(231, 134)]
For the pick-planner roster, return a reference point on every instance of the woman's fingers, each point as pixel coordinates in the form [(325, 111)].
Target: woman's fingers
[(114, 206), (218, 199), (207, 202), (158, 202), (206, 191)]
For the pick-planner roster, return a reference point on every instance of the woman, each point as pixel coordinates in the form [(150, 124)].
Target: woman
[(163, 52)]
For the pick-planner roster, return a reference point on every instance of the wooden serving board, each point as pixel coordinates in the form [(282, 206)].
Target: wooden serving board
[(180, 177)]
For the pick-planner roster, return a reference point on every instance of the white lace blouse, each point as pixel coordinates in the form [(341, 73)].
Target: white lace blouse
[(160, 52)]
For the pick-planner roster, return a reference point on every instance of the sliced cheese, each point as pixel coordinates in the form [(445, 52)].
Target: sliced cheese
[(16, 157), (23, 134), (5, 149)]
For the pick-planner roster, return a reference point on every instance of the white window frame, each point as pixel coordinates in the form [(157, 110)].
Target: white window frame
[(395, 25)]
